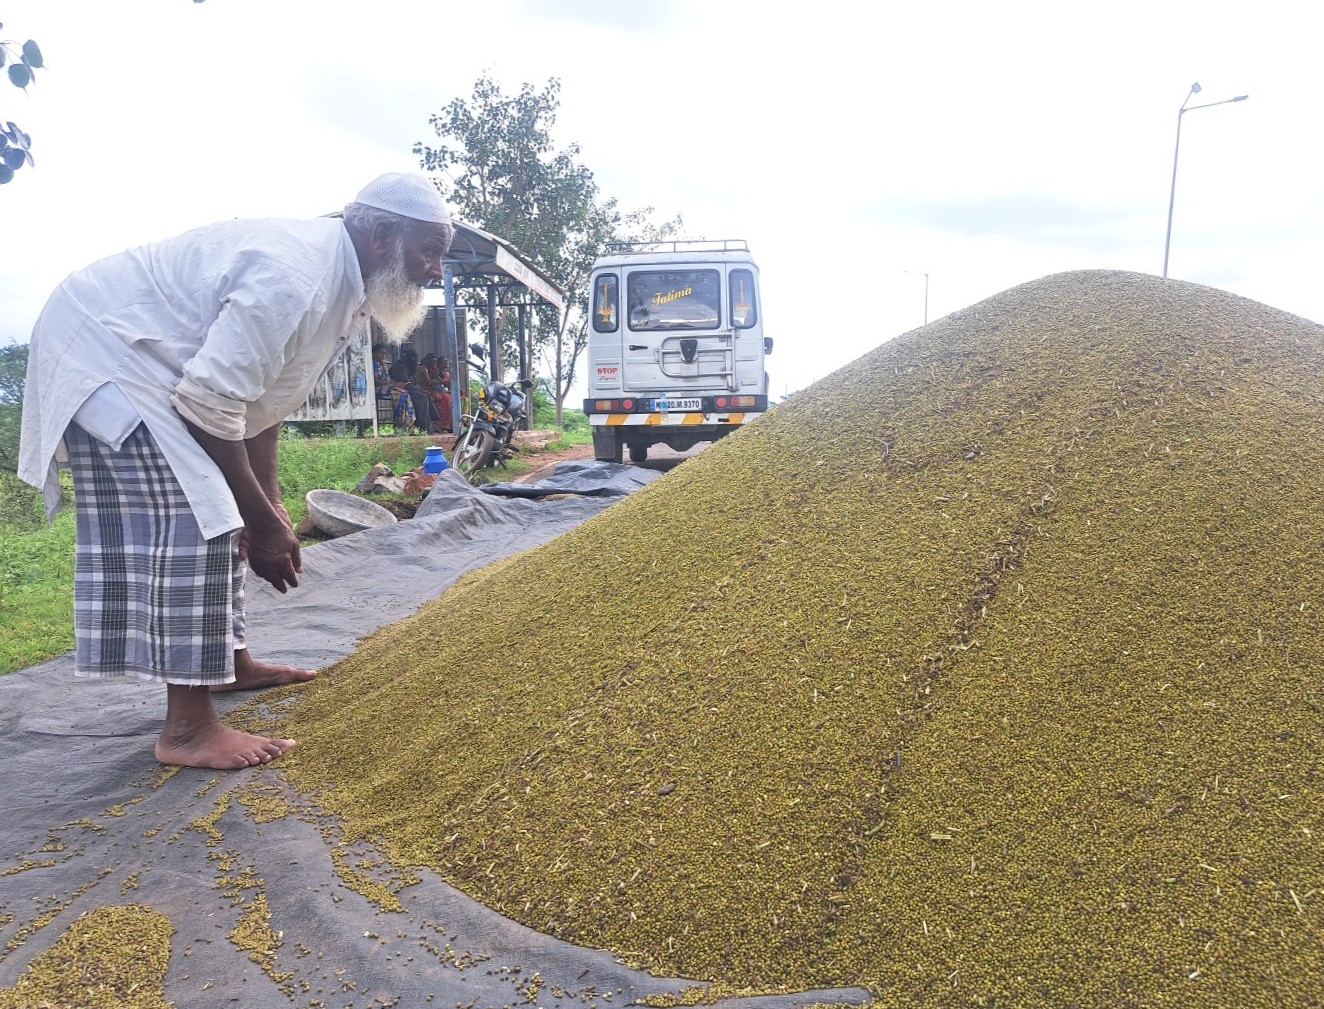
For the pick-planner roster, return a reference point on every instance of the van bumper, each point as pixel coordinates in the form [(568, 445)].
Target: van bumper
[(686, 420)]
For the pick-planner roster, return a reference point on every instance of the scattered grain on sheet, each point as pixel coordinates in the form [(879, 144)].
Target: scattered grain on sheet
[(110, 958)]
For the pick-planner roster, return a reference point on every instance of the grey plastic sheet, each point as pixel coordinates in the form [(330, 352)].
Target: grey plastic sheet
[(89, 819)]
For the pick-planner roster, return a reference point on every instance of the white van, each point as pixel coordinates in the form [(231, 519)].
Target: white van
[(675, 346)]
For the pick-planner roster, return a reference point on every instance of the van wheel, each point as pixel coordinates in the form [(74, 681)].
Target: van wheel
[(638, 453)]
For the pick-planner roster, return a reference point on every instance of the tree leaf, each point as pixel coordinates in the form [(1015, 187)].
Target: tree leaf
[(15, 157), (6, 173), (19, 75), (32, 54), (15, 137)]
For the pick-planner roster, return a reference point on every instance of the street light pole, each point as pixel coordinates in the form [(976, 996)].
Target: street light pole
[(1172, 194), (926, 292)]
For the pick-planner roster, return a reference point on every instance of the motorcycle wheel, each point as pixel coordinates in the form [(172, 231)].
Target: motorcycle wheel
[(472, 451)]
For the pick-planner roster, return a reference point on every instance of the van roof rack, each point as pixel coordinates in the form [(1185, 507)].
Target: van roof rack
[(695, 245)]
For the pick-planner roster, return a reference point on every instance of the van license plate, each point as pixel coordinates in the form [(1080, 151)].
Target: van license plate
[(667, 405)]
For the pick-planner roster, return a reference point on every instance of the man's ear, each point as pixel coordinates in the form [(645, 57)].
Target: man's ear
[(382, 237), (374, 246)]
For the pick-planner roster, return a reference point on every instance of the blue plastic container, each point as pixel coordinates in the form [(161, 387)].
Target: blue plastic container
[(434, 460)]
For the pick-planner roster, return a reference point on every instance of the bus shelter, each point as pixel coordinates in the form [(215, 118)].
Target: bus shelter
[(494, 277)]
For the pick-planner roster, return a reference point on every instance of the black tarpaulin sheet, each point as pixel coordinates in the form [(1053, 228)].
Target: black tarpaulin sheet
[(591, 479)]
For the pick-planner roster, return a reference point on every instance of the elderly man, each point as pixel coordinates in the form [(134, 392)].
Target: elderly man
[(162, 375)]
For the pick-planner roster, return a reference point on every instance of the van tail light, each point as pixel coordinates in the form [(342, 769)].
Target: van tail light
[(612, 405)]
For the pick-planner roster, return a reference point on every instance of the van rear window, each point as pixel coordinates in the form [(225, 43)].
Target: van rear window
[(744, 306), (674, 299), (604, 303)]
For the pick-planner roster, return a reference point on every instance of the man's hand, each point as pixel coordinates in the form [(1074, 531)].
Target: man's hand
[(297, 556), (249, 467), (273, 554)]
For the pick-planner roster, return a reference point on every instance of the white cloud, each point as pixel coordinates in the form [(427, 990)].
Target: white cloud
[(657, 15)]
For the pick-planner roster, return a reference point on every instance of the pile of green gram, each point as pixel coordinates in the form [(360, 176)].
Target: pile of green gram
[(985, 671)]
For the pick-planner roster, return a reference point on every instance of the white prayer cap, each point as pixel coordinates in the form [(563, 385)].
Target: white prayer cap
[(408, 194)]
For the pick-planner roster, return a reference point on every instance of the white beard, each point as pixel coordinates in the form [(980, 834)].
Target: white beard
[(396, 301)]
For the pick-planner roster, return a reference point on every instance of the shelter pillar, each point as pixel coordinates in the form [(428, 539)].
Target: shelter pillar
[(524, 362), (493, 337), (452, 345)]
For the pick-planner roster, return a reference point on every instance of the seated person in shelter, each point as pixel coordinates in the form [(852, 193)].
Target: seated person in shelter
[(404, 373), (435, 380), (402, 404)]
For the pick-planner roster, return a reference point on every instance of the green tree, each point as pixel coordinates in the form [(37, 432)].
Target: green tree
[(21, 63), (13, 370), (563, 350), (501, 171)]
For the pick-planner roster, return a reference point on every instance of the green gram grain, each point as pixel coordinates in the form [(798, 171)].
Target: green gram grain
[(984, 671)]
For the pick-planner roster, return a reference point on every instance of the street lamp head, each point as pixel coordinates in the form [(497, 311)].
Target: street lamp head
[(1240, 98), (1195, 88)]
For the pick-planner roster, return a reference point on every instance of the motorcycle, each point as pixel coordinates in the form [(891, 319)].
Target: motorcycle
[(487, 434)]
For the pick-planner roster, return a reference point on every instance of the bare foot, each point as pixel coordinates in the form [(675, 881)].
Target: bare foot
[(193, 736), (249, 674), (221, 747)]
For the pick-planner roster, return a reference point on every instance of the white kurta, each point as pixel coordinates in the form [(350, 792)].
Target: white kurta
[(228, 326)]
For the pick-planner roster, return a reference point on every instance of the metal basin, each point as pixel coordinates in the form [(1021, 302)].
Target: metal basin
[(339, 514)]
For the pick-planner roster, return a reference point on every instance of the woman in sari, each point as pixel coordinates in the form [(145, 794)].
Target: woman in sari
[(402, 407)]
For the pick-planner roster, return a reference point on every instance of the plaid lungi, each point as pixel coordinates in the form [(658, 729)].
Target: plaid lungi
[(152, 597)]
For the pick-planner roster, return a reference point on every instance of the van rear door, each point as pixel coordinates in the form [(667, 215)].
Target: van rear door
[(746, 323), (676, 336), (604, 345)]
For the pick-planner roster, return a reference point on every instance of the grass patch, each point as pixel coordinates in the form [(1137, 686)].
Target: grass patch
[(36, 579), (338, 463), (570, 439)]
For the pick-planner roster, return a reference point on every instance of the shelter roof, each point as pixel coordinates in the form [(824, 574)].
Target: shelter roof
[(475, 253)]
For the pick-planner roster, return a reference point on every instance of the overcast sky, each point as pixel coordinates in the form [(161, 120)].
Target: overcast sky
[(858, 147)]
